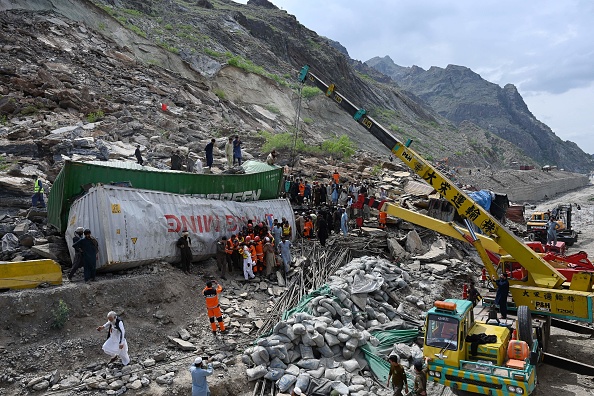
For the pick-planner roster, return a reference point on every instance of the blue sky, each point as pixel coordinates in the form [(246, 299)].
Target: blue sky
[(545, 48)]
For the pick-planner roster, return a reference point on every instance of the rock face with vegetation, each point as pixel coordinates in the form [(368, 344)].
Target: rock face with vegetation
[(222, 67), (461, 95)]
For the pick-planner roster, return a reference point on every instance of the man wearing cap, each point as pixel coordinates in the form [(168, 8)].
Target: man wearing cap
[(77, 262), (116, 344), (285, 251), (90, 249), (184, 244), (199, 374)]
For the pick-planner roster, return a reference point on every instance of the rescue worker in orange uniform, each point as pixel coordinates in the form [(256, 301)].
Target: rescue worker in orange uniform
[(383, 216), (301, 191), (308, 228), (212, 306), (336, 176), (259, 254)]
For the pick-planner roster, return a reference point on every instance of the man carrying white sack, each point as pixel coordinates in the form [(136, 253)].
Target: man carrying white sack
[(116, 344)]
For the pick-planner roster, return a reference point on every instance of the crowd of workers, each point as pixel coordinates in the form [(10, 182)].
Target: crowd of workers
[(257, 250), (331, 206)]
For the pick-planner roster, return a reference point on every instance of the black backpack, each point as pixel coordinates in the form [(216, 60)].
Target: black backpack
[(117, 326)]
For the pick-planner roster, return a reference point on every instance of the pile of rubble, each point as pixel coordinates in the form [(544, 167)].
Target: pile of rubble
[(319, 348)]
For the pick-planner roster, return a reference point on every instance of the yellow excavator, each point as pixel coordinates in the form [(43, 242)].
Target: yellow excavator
[(458, 357)]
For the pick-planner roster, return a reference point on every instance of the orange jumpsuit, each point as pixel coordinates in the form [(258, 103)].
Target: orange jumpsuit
[(260, 256), (212, 306), (382, 219), (336, 177), (307, 229)]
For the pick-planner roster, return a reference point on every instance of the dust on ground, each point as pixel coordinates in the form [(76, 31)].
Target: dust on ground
[(554, 381)]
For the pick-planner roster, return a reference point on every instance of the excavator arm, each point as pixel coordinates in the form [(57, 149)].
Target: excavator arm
[(542, 274)]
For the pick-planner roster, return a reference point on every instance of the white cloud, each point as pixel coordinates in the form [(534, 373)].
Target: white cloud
[(544, 47)]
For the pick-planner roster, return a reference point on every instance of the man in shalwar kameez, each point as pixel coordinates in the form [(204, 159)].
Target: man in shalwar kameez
[(116, 344)]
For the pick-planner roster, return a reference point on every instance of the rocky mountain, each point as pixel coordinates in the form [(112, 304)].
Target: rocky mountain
[(461, 95), (102, 69)]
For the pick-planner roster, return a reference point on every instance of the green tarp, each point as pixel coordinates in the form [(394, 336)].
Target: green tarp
[(260, 181), (376, 355)]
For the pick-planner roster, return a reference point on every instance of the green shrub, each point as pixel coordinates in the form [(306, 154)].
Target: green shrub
[(61, 315), (102, 26), (308, 120), (377, 170), (4, 165), (309, 92), (220, 93), (3, 119), (278, 79), (136, 30), (246, 65), (130, 11), (29, 110), (165, 45), (273, 109), (214, 54), (168, 26), (340, 147), (96, 116)]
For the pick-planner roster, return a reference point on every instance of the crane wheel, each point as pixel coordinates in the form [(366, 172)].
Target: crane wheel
[(524, 329)]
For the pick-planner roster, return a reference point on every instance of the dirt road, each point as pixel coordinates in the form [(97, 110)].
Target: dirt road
[(554, 381)]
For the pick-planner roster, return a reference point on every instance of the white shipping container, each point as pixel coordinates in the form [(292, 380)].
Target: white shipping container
[(135, 226)]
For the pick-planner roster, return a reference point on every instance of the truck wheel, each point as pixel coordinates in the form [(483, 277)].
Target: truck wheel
[(524, 329)]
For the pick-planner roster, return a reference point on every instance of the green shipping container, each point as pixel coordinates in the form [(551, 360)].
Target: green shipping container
[(260, 181)]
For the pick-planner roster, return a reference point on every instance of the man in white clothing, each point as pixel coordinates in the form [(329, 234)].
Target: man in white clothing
[(116, 344)]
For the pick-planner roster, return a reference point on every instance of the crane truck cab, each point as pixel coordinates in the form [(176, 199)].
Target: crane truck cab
[(473, 356)]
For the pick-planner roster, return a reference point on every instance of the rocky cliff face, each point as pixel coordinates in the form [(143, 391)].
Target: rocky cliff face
[(101, 70), (459, 94)]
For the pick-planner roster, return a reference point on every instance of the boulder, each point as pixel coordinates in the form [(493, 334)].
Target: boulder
[(23, 148), (413, 242), (396, 249), (181, 344)]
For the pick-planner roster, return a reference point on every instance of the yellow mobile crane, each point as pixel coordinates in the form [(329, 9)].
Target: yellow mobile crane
[(503, 367)]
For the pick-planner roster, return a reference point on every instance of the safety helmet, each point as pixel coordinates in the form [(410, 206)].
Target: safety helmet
[(257, 238)]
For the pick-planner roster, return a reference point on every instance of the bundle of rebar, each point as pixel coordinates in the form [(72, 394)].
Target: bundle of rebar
[(317, 264)]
